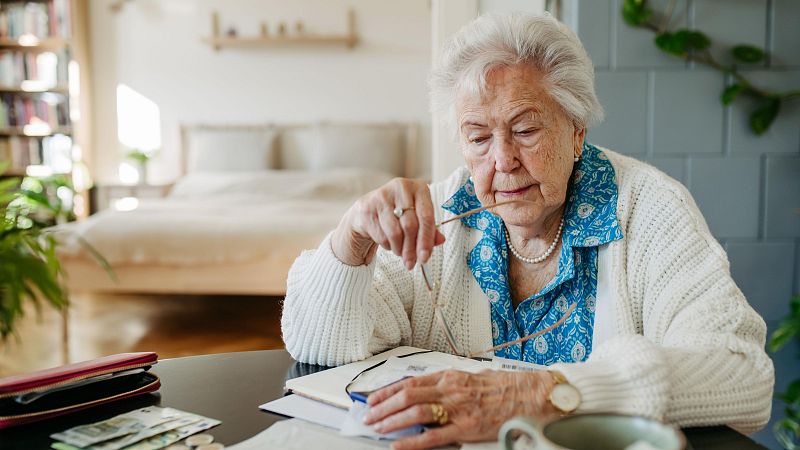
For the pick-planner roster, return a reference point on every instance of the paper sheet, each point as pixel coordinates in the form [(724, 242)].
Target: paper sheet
[(295, 434), (328, 386), (354, 425), (319, 391), (309, 410)]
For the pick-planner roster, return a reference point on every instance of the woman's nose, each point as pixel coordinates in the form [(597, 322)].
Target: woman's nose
[(506, 157)]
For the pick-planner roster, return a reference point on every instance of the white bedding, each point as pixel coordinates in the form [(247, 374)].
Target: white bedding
[(212, 218)]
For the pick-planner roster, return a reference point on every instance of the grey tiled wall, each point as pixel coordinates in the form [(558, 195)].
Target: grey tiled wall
[(667, 112)]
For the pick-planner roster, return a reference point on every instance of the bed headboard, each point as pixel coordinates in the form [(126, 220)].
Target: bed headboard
[(390, 146)]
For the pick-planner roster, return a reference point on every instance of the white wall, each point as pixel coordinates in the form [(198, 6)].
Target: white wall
[(154, 47)]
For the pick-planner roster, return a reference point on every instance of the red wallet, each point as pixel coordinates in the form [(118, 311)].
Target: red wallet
[(52, 392)]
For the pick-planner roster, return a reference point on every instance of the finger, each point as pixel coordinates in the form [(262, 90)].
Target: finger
[(410, 226), (401, 400), (439, 240), (371, 253), (432, 437), (373, 228), (391, 228), (388, 391), (427, 224), (408, 222), (413, 415)]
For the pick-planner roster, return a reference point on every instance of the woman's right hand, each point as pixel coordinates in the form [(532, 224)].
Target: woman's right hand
[(371, 222)]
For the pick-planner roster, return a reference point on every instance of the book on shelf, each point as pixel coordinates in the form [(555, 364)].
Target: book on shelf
[(19, 110), (51, 151), (34, 104), (40, 19), (43, 69)]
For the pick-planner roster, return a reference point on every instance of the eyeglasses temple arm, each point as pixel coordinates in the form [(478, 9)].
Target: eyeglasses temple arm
[(528, 337), (477, 210)]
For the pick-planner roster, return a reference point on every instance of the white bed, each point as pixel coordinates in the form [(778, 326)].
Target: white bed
[(252, 199)]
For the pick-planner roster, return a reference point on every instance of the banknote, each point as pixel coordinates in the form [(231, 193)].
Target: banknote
[(155, 442), (63, 446), (130, 439), (121, 425), (173, 436)]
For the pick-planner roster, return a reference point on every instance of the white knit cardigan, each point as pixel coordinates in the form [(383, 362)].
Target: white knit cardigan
[(687, 347)]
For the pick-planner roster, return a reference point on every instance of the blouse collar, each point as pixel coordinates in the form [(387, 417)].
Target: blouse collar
[(590, 217)]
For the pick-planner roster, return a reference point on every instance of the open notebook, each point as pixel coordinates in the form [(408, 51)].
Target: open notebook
[(329, 386)]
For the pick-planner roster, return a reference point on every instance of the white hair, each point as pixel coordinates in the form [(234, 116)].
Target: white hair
[(509, 39)]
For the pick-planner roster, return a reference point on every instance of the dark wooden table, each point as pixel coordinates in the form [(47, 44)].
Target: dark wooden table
[(230, 387)]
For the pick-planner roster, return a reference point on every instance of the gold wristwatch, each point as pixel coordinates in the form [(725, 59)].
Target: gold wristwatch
[(564, 396)]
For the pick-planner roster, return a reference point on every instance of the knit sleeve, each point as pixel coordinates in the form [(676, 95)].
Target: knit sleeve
[(696, 356), (334, 313)]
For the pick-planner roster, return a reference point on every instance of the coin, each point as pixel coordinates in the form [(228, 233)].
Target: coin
[(177, 447), (214, 446), (199, 439)]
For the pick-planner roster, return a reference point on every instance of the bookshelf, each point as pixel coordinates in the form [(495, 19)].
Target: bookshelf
[(44, 90)]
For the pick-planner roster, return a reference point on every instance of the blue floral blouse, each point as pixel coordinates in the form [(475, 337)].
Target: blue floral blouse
[(590, 220)]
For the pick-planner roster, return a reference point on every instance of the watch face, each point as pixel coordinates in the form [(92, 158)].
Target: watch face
[(565, 397)]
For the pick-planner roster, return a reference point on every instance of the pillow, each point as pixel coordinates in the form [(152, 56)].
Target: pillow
[(231, 150), (298, 147), (339, 146)]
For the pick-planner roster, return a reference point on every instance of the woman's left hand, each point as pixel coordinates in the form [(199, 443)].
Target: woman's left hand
[(476, 405)]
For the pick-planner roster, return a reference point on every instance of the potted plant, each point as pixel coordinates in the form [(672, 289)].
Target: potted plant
[(29, 268), (141, 158), (787, 430)]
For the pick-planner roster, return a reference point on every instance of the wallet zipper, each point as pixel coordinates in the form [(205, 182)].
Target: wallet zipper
[(66, 408), (72, 380)]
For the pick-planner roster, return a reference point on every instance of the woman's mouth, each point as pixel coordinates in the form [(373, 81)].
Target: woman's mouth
[(514, 193)]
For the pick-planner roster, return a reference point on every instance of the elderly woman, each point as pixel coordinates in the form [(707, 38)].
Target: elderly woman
[(606, 260)]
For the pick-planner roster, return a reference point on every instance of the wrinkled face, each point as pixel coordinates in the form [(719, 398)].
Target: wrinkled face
[(518, 144)]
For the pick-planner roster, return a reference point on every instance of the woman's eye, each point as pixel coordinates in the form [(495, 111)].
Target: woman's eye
[(527, 132), (478, 140)]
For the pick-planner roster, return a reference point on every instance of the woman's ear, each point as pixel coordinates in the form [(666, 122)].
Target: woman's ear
[(577, 139)]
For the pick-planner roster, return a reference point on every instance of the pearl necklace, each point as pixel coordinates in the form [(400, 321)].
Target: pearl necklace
[(541, 257)]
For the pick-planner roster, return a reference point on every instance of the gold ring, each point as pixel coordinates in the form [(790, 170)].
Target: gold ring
[(440, 415), (398, 212)]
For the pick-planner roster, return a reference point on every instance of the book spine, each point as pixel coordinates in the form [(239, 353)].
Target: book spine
[(52, 23), (41, 19)]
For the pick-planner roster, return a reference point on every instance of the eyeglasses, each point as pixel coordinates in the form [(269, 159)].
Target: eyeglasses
[(437, 308)]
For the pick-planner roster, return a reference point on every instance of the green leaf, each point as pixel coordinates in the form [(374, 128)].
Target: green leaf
[(99, 258), (636, 12), (793, 414), (29, 271), (671, 43), (8, 184), (794, 307), (762, 118), (787, 432), (786, 331), (682, 41), (792, 394), (730, 93), (747, 53), (695, 40)]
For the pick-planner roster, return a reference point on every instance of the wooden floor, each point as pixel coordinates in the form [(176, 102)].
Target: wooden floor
[(171, 326)]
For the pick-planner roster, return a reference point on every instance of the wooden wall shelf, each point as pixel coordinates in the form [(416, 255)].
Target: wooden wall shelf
[(42, 45), (19, 131), (218, 41), (19, 90)]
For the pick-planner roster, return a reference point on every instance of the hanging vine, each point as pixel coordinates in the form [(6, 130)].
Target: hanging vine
[(694, 45)]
